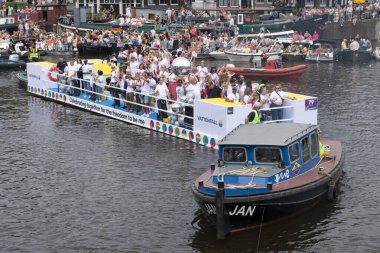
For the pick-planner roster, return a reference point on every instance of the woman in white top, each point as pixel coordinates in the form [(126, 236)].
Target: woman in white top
[(265, 102), (162, 93), (146, 92)]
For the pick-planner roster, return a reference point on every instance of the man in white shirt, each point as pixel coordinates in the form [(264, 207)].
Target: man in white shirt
[(162, 93), (202, 71), (233, 97), (133, 66), (277, 99), (87, 77), (70, 73)]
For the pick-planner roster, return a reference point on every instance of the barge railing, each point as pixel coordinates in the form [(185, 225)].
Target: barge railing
[(152, 108)]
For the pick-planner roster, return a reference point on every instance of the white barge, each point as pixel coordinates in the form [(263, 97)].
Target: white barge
[(209, 120)]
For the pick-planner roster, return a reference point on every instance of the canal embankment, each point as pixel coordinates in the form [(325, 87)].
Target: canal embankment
[(369, 28)]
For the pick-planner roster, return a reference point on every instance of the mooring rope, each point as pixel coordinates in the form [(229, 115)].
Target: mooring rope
[(241, 172)]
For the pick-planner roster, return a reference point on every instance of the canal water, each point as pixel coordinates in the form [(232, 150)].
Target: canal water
[(73, 181)]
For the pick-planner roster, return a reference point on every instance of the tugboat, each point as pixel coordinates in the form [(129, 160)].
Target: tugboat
[(266, 172)]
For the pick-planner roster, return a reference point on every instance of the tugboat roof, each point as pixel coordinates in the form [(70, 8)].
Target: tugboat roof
[(273, 134)]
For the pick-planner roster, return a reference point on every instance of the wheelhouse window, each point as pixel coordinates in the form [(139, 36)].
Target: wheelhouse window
[(267, 155), (305, 150), (234, 154), (314, 145), (294, 152)]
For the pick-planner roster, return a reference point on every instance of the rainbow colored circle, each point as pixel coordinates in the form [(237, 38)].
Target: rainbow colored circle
[(176, 131), (198, 138), (184, 133), (220, 123), (191, 136), (164, 128), (151, 124), (205, 140), (170, 130), (212, 142), (158, 125)]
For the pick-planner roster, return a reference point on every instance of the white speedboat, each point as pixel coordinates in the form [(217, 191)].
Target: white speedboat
[(320, 52), (218, 55), (236, 56)]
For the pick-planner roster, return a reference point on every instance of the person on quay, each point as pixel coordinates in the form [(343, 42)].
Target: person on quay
[(254, 116), (343, 45), (277, 100)]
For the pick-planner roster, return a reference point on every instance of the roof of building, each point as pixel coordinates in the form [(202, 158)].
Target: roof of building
[(272, 134)]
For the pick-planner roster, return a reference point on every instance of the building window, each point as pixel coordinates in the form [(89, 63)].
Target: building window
[(234, 3), (174, 2), (164, 2), (260, 1), (151, 2), (223, 3)]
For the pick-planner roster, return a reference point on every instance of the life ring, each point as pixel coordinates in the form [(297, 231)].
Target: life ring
[(51, 70)]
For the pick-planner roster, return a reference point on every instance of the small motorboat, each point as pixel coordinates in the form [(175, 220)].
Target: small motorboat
[(266, 172), (271, 70), (218, 55), (321, 51), (354, 55), (12, 62), (376, 53), (22, 77), (238, 56)]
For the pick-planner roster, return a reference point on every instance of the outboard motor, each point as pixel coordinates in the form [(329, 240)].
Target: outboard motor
[(14, 57)]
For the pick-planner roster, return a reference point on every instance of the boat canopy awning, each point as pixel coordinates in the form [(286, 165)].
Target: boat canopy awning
[(273, 134)]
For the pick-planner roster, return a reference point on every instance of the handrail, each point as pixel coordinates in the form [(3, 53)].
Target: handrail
[(149, 95), (120, 99)]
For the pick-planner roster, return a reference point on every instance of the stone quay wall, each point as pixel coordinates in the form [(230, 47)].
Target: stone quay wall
[(369, 29)]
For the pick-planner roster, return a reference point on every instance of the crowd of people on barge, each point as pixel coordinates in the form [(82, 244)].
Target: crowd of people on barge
[(141, 82)]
